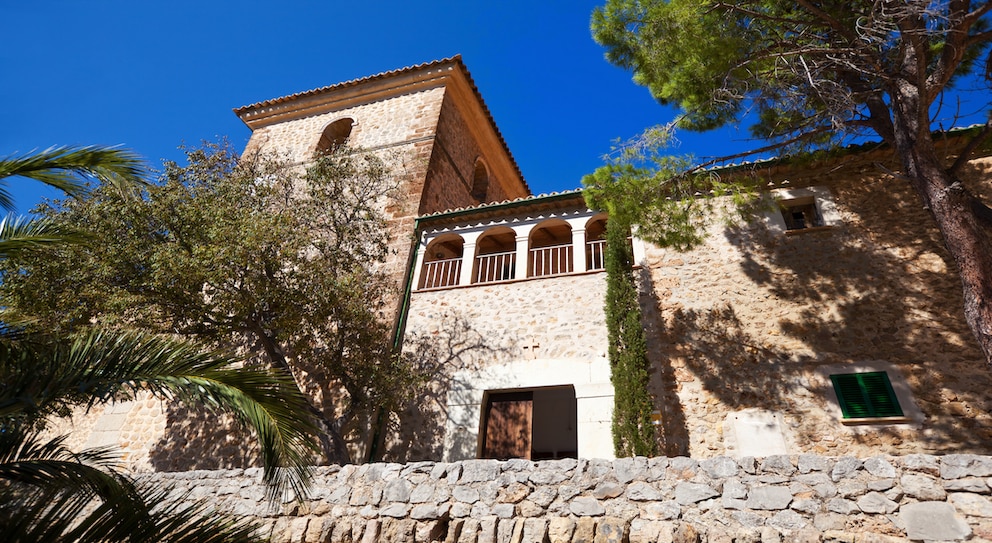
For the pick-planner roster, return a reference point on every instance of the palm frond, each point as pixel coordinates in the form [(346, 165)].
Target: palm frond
[(51, 494), (101, 366), (68, 169), (20, 234)]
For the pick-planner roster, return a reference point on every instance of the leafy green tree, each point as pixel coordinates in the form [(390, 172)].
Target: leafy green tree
[(633, 433), (51, 493), (812, 74), (282, 260)]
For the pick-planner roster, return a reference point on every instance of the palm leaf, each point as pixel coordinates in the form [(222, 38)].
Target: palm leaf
[(68, 169), (19, 235), (101, 366), (52, 494)]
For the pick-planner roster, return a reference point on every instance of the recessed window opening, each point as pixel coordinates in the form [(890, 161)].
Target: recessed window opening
[(496, 256), (866, 395), (335, 135), (480, 181), (550, 249), (442, 262), (537, 424), (801, 213)]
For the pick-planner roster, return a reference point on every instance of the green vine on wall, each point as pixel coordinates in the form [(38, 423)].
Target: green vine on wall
[(633, 433)]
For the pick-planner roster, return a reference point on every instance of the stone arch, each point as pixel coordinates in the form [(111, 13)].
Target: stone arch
[(480, 181), (595, 243), (496, 255), (442, 262), (334, 135), (550, 247)]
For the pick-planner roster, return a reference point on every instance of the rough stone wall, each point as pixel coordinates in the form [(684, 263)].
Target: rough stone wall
[(400, 128), (744, 322), (553, 318), (804, 498), (452, 170)]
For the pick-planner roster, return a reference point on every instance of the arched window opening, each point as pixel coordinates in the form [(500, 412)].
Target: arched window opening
[(480, 181), (496, 256), (442, 262), (596, 243), (335, 135), (550, 249)]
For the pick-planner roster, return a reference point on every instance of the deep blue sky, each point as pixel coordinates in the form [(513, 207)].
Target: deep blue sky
[(152, 75)]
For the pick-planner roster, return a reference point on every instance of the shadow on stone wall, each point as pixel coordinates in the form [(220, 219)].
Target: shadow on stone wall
[(417, 432), (879, 286), (196, 438), (674, 431)]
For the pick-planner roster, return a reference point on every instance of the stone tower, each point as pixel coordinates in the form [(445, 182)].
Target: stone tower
[(430, 117)]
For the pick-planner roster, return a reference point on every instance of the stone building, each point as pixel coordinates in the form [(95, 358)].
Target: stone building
[(832, 324)]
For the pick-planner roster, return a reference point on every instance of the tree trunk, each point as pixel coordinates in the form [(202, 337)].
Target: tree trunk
[(953, 209)]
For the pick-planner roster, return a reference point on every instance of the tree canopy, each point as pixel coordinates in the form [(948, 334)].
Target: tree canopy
[(806, 75), (282, 260), (49, 492)]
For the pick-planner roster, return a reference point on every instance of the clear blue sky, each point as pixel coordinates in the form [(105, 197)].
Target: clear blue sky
[(152, 75)]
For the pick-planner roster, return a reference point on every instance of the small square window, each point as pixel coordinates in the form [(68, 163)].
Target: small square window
[(866, 395), (800, 213)]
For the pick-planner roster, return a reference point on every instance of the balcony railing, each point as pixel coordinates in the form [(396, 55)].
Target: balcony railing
[(553, 260), (595, 255), (495, 267), (441, 273)]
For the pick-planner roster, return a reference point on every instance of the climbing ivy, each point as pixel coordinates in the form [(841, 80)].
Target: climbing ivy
[(633, 433)]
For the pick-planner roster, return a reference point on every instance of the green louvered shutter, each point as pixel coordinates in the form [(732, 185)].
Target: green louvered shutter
[(866, 395)]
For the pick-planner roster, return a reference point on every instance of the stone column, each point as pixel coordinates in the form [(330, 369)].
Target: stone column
[(523, 251), (469, 240), (468, 260), (578, 249), (419, 266)]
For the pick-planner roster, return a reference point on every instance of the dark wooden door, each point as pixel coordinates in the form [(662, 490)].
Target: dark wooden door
[(509, 425)]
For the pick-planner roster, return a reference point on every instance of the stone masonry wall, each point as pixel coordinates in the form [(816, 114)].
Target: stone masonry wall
[(557, 319), (747, 321), (805, 498)]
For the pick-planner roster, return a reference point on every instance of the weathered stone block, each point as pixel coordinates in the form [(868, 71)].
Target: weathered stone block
[(880, 467), (586, 507), (665, 510), (606, 490), (644, 531), (630, 469), (846, 466), (560, 530), (585, 530), (933, 521), (720, 467), (922, 487), (769, 498), (535, 530), (639, 491), (813, 462), (611, 530), (874, 502), (971, 504), (780, 464), (967, 484), (465, 494), (690, 493), (956, 466)]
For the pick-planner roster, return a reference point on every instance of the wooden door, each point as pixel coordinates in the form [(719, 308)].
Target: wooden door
[(509, 425)]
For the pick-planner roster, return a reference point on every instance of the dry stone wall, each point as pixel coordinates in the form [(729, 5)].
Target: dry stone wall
[(805, 498)]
